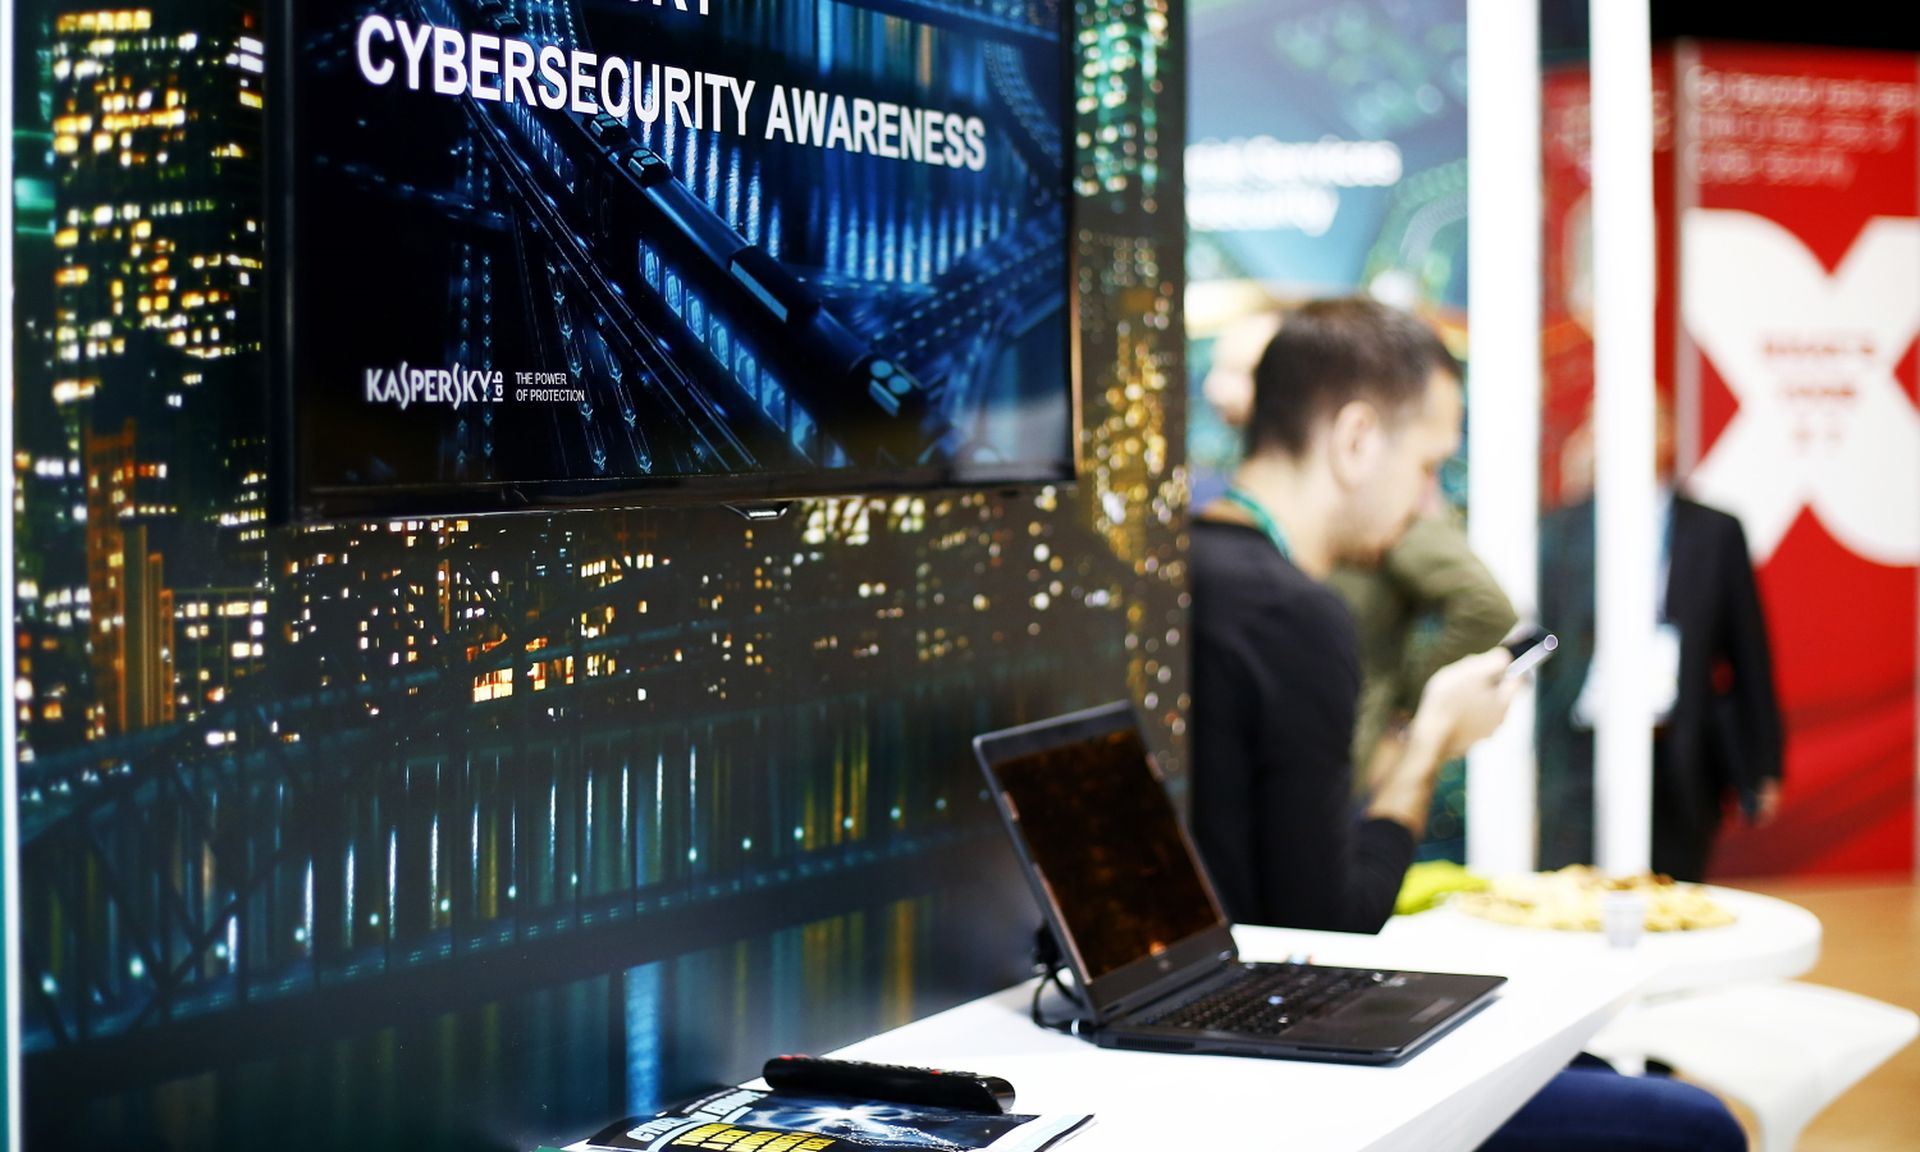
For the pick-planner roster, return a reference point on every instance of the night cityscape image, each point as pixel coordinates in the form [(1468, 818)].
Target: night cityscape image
[(844, 250), (481, 831)]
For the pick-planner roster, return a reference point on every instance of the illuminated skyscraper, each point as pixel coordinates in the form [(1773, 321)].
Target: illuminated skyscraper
[(156, 166), (132, 640), (153, 332), (219, 640), (156, 134)]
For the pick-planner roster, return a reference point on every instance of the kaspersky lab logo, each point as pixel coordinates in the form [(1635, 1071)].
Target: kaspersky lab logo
[(452, 386)]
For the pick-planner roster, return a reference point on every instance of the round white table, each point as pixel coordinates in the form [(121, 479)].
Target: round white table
[(1769, 939)]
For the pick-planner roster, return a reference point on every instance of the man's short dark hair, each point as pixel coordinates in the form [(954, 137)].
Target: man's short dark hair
[(1331, 352)]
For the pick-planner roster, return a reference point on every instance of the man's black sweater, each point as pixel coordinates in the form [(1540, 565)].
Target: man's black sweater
[(1276, 680)]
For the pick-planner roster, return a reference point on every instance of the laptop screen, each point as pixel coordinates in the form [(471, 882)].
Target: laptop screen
[(1102, 833)]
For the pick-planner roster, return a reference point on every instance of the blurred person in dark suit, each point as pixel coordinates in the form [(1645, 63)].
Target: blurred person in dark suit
[(1717, 736)]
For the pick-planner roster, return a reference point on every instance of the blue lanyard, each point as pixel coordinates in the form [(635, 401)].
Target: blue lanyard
[(1261, 519)]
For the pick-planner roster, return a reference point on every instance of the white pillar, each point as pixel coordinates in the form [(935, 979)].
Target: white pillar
[(10, 974), (1503, 389), (1624, 509)]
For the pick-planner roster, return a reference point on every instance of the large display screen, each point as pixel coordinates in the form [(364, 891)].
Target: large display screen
[(545, 252)]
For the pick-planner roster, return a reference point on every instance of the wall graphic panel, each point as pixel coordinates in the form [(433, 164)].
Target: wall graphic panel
[(1327, 154), (477, 832)]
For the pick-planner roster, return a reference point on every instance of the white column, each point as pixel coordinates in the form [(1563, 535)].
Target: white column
[(1624, 509), (10, 974), (1503, 389)]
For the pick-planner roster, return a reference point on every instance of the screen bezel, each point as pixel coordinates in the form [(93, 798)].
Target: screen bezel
[(294, 499), (1138, 980)]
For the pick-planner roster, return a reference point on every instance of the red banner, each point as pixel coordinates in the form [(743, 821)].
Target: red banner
[(1787, 190), (1566, 314), (1566, 463), (1795, 189)]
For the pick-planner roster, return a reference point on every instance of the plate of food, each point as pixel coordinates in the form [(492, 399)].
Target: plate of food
[(1571, 900)]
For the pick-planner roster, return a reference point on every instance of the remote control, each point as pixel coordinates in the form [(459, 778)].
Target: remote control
[(934, 1087)]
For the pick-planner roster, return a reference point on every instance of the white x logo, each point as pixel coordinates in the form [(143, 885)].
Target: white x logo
[(1822, 423)]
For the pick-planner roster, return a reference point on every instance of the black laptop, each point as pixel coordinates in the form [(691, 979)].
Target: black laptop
[(1142, 930)]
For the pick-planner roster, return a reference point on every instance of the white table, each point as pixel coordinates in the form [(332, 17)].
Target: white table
[(1769, 939), (1452, 1095)]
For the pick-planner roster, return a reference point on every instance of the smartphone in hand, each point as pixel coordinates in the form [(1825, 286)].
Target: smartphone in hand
[(1530, 650)]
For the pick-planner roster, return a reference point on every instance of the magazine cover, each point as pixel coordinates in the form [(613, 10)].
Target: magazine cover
[(754, 1120)]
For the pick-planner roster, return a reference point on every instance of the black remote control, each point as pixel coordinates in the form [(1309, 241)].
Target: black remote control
[(934, 1087)]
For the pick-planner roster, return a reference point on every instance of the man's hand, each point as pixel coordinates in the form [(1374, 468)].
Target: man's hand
[(1464, 702), (1767, 810)]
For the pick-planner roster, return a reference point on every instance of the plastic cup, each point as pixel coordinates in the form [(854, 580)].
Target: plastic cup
[(1623, 915)]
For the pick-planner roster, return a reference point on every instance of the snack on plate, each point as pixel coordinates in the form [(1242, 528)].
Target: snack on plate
[(1570, 899)]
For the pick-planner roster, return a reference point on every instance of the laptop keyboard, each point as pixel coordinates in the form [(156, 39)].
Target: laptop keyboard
[(1269, 1000)]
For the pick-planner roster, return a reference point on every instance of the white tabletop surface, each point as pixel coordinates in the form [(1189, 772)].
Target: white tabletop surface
[(1451, 1095), (1769, 939), (1562, 988)]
